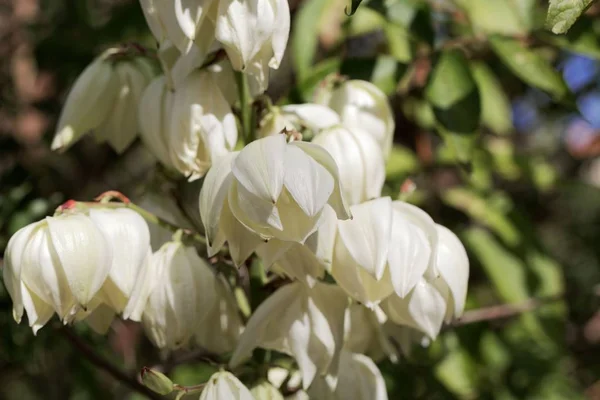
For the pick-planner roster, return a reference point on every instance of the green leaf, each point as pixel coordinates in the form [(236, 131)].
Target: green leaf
[(496, 112), (305, 35), (530, 66), (413, 15), (366, 20), (399, 42), (401, 162), (562, 14), (320, 71), (505, 270), (581, 38), (353, 7), (498, 16)]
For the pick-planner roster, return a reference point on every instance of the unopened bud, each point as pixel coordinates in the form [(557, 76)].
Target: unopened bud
[(156, 381)]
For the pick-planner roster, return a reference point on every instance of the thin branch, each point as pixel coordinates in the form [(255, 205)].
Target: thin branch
[(504, 310), (103, 364)]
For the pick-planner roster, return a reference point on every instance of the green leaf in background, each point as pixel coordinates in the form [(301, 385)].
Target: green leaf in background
[(413, 15), (452, 92), (530, 66), (562, 14), (366, 20), (496, 112), (353, 7), (320, 71), (399, 42), (506, 17), (401, 162), (582, 38), (305, 36)]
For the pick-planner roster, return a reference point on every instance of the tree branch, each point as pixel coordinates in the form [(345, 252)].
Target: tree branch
[(504, 310), (105, 365)]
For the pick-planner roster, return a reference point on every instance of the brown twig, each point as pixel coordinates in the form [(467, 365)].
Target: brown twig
[(105, 365), (504, 310)]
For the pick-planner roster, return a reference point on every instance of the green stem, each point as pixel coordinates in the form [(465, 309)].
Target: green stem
[(245, 107)]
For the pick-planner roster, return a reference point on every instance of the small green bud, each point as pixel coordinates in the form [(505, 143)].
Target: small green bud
[(156, 381)]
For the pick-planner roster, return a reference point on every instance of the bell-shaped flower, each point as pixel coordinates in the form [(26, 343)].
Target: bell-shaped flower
[(202, 127), (129, 237), (153, 115), (305, 323), (358, 379), (360, 161), (452, 263), (222, 327), (266, 391), (162, 20), (89, 102), (62, 262), (274, 190), (308, 119), (254, 33), (224, 385), (181, 296), (105, 99), (363, 105)]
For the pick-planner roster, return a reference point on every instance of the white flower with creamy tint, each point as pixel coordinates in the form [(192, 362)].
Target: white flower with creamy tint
[(224, 385), (308, 119), (182, 293), (305, 323), (362, 105)]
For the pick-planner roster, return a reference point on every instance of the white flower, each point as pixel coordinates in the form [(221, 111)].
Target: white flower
[(88, 103), (222, 327), (105, 99), (202, 126), (181, 295), (266, 391), (358, 379), (60, 262), (363, 105), (305, 323), (300, 117), (273, 189), (224, 385), (360, 161), (162, 20), (364, 333)]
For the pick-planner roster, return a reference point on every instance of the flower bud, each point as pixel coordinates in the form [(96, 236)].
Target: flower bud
[(156, 381), (266, 391), (360, 161), (309, 119), (305, 323), (181, 297), (202, 126), (254, 33), (88, 104), (363, 105), (224, 385)]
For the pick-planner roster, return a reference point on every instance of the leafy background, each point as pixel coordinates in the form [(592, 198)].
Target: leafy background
[(497, 128)]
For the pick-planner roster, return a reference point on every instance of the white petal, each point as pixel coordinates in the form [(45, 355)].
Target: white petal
[(321, 242), (242, 241), (253, 212), (320, 155), (272, 251), (356, 281), (38, 311), (409, 254), (453, 264), (145, 283), (260, 167), (423, 309), (84, 254), (152, 118), (373, 162), (309, 183), (297, 226), (281, 33), (213, 195), (300, 263), (367, 235), (224, 385), (191, 14), (313, 116), (128, 234), (13, 257)]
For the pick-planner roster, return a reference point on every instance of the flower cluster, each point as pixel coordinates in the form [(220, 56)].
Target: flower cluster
[(359, 276)]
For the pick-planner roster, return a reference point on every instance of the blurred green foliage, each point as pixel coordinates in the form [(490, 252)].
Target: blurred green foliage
[(458, 74)]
